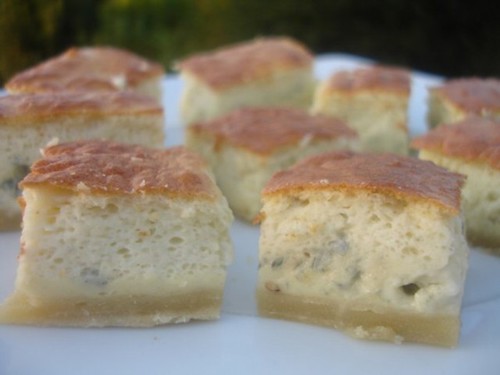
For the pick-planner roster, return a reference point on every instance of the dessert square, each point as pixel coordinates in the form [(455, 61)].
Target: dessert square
[(456, 99), (119, 235), (29, 121), (245, 147), (371, 244), (91, 69), (471, 147), (373, 101), (261, 72)]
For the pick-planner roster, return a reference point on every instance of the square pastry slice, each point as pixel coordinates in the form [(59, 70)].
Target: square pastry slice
[(262, 72), (373, 101), (456, 99), (119, 235), (245, 147), (29, 121), (471, 147), (371, 244), (91, 69)]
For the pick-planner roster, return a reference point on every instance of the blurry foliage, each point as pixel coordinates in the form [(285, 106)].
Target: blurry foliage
[(162, 29), (33, 30), (448, 37)]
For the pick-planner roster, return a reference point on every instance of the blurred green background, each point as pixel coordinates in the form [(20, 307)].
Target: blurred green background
[(447, 37)]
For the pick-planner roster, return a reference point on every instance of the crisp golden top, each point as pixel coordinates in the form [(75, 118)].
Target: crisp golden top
[(247, 62), (15, 109), (473, 139), (90, 68), (113, 168), (266, 130), (399, 176), (371, 78), (475, 95)]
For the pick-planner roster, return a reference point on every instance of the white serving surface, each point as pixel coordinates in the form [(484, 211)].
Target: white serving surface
[(241, 342)]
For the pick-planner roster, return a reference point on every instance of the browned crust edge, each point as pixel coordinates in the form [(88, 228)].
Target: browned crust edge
[(389, 174), (39, 108), (246, 61), (110, 168), (85, 68), (475, 139), (263, 131)]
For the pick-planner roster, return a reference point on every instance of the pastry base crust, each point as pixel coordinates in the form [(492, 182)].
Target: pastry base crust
[(124, 311), (388, 325)]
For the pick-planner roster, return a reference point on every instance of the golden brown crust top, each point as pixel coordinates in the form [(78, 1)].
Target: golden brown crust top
[(88, 68), (472, 139), (399, 176), (266, 130), (475, 95), (371, 78), (41, 107), (113, 168), (247, 62)]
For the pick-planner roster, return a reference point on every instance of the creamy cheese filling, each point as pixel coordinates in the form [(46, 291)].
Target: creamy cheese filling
[(104, 246), (367, 250)]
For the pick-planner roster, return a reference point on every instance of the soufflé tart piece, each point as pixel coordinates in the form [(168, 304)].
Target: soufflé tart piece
[(371, 244), (28, 122), (372, 100), (119, 235), (245, 148), (456, 99), (273, 71), (91, 69), (471, 147)]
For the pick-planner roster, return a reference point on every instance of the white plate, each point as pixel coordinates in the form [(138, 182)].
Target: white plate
[(240, 342)]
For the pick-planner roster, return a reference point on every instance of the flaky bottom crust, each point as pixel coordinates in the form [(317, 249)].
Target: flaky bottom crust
[(389, 325), (126, 311)]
